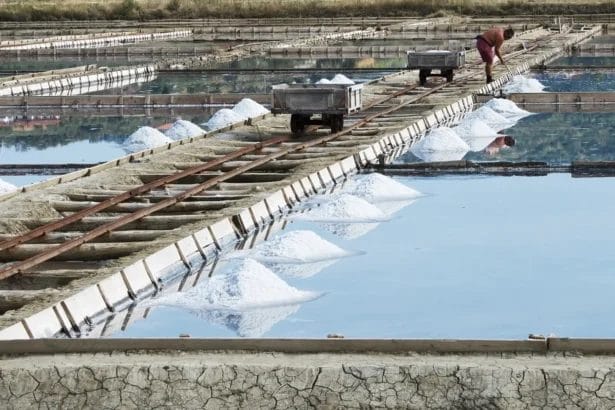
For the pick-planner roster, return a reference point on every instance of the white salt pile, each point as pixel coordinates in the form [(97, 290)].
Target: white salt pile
[(474, 127), (297, 247), (522, 84), (345, 215), (491, 118), (6, 187), (248, 284), (323, 81), (184, 129), (377, 187), (440, 144), (145, 138), (344, 207), (223, 118), (249, 108), (245, 296), (475, 133), (241, 284), (506, 108), (341, 79)]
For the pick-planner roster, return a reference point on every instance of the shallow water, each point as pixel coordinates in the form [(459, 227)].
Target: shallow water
[(479, 257), (258, 82), (73, 139), (580, 81), (555, 138), (46, 62)]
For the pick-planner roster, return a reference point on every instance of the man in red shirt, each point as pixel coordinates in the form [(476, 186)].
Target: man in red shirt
[(488, 45)]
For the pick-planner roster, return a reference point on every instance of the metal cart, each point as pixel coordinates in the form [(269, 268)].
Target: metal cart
[(443, 60), (302, 101)]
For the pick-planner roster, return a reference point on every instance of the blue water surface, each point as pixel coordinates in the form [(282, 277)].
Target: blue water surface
[(478, 257)]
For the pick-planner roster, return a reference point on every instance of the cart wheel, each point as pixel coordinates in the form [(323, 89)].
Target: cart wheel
[(337, 123), (423, 76), (297, 124), (449, 75)]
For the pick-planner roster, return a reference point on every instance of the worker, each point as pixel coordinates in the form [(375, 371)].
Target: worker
[(489, 44)]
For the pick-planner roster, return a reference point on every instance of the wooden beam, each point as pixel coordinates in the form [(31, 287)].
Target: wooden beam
[(185, 207), (89, 251), (14, 299)]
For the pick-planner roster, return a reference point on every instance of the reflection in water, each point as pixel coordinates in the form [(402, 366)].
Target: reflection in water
[(46, 63), (22, 123), (300, 270), (254, 322), (244, 296), (204, 82), (95, 87), (555, 138), (39, 139), (349, 230), (498, 143)]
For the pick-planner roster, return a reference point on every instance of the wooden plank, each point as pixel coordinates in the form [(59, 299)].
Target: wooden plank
[(89, 251), (14, 299), (146, 223), (582, 346), (186, 207), (85, 345)]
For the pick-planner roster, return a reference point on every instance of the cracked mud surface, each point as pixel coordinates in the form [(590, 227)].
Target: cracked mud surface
[(273, 380)]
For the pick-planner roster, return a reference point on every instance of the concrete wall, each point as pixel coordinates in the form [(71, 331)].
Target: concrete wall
[(277, 380)]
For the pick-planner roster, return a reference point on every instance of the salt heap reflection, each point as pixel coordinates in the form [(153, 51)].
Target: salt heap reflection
[(244, 296)]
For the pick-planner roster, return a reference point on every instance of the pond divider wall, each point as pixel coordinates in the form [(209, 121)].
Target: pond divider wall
[(65, 82), (98, 40), (223, 373)]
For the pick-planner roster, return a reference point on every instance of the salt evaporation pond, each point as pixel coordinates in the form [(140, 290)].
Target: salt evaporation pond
[(476, 257), (577, 80), (259, 82), (51, 62), (194, 83), (75, 139), (55, 139), (555, 138)]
